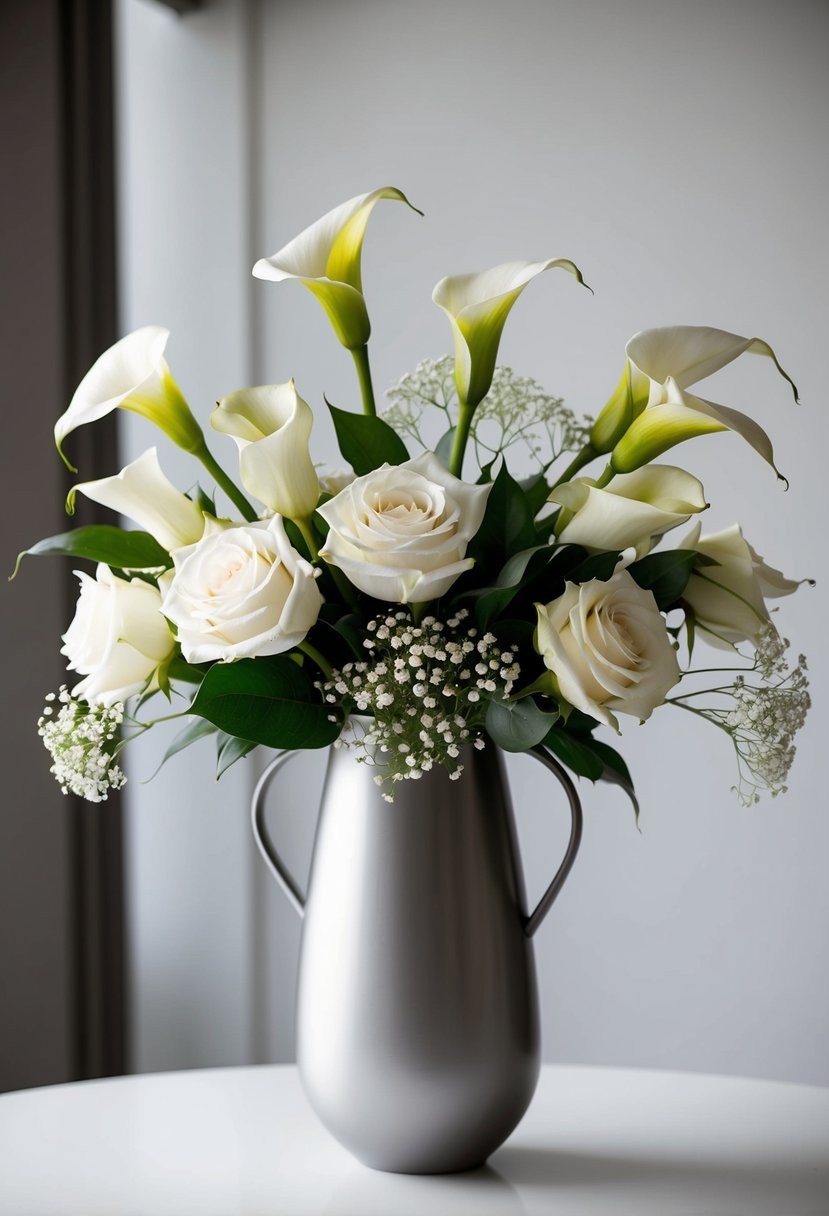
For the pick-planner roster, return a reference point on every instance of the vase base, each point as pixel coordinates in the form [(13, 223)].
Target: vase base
[(423, 1170)]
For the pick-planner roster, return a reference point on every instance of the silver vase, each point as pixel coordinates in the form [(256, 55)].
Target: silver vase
[(417, 1006)]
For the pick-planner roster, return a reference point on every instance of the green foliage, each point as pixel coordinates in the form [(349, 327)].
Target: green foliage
[(103, 543), (507, 525), (229, 749), (665, 574), (271, 701), (192, 732), (516, 726), (366, 442)]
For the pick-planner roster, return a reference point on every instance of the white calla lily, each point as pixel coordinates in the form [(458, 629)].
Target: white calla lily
[(326, 256), (132, 375), (143, 493), (728, 598), (651, 410), (271, 426), (631, 510), (477, 306)]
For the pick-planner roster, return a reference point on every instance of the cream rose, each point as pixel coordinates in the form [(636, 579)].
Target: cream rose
[(608, 648), (728, 599), (400, 533), (117, 639), (240, 592)]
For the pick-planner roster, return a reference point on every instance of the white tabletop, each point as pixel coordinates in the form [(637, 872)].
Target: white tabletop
[(244, 1141)]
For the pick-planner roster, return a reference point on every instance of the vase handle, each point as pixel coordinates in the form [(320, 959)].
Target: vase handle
[(543, 906), (260, 830)]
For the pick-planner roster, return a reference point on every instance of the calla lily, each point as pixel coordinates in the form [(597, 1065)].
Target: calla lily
[(477, 306), (271, 426), (728, 598), (132, 375), (143, 493), (651, 410), (326, 258), (630, 510)]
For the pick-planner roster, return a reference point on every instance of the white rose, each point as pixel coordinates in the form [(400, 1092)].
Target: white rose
[(117, 638), (608, 648), (400, 533), (630, 510), (239, 592), (728, 600)]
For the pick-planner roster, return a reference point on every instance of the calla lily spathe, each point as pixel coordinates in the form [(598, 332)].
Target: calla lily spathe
[(143, 493), (326, 257), (132, 375), (477, 306), (728, 598), (631, 510), (651, 410), (272, 426)]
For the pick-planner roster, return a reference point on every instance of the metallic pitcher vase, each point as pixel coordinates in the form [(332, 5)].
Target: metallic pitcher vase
[(417, 1006)]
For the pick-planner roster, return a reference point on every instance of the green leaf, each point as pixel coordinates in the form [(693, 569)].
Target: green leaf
[(190, 734), (578, 754), (598, 565), (269, 700), (665, 574), (507, 525), (203, 501), (690, 631), (443, 451), (190, 673), (516, 726), (229, 749), (103, 543), (366, 442), (616, 772), (537, 491), (352, 629), (517, 570)]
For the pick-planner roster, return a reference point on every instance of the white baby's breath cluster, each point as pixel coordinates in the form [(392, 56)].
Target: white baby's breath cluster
[(516, 408), (83, 741), (764, 718), (427, 686)]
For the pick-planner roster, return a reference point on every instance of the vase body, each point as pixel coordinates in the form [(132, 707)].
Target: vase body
[(417, 1012), (417, 1009)]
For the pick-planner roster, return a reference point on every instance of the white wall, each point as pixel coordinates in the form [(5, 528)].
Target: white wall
[(677, 152)]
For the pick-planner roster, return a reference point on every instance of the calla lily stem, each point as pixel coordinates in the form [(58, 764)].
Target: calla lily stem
[(221, 479), (305, 528), (360, 356), (578, 462), (465, 413)]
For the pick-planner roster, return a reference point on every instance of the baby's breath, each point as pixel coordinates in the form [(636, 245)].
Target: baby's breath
[(83, 741), (424, 708), (516, 409), (762, 717)]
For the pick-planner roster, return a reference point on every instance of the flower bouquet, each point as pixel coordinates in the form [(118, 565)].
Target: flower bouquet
[(490, 569)]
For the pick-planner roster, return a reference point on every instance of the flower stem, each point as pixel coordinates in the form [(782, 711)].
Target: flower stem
[(315, 656), (343, 585), (360, 357), (576, 464), (465, 413), (223, 481), (419, 610), (305, 528)]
